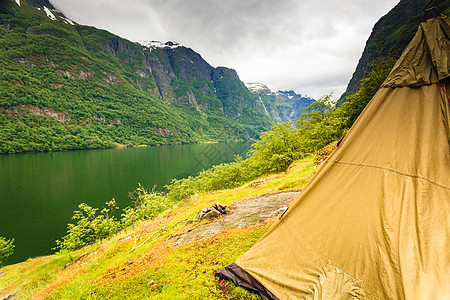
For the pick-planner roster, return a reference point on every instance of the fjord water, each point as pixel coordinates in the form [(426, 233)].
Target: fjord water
[(39, 192)]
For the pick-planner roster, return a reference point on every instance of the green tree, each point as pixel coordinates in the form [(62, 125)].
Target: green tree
[(350, 110)]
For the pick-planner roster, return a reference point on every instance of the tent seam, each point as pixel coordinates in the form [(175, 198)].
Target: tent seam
[(394, 171)]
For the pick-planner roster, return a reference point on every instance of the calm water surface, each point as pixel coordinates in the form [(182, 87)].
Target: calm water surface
[(39, 192)]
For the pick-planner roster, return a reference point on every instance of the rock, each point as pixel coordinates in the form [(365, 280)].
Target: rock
[(220, 208), (258, 183), (213, 212), (250, 212)]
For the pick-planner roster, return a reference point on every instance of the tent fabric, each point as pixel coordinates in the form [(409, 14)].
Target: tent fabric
[(374, 222), (426, 60)]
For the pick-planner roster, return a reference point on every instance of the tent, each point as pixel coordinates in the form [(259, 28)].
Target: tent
[(374, 222)]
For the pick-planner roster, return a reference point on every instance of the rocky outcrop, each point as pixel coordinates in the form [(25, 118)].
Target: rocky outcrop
[(13, 111), (235, 98), (248, 212)]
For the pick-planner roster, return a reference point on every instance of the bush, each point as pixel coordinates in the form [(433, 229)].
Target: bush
[(147, 205), (6, 250), (90, 226), (219, 177)]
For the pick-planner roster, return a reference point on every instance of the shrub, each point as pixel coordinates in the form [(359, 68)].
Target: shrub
[(90, 226), (6, 250), (147, 205)]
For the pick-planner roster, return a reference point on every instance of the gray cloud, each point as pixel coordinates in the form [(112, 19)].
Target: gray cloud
[(311, 46)]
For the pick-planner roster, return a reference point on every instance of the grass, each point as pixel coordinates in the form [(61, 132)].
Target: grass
[(113, 270)]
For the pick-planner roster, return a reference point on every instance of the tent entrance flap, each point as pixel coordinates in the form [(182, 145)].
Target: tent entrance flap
[(240, 277)]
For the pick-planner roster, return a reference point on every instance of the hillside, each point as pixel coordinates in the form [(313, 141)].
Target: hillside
[(389, 37), (68, 86), (172, 257)]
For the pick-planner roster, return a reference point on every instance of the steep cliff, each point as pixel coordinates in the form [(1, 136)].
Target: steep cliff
[(390, 35)]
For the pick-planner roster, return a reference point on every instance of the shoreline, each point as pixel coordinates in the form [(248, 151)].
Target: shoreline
[(125, 147)]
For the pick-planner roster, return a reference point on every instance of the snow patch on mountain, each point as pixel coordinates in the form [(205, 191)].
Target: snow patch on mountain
[(158, 44), (49, 13), (257, 87), (69, 21), (18, 2), (292, 95)]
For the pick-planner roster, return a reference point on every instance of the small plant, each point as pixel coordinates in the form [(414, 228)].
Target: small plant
[(6, 250), (147, 205), (91, 227)]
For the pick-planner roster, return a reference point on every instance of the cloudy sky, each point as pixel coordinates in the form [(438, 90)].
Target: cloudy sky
[(310, 46)]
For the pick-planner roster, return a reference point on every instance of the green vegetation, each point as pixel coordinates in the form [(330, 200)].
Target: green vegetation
[(392, 38), (6, 250), (90, 226), (93, 226)]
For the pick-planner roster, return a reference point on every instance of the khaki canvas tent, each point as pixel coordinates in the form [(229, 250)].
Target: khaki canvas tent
[(374, 223)]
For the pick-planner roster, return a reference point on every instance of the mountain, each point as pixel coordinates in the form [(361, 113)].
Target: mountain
[(389, 37), (69, 86), (280, 106)]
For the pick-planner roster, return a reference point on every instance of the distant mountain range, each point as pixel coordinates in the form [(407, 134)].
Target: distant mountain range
[(69, 86), (281, 106)]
